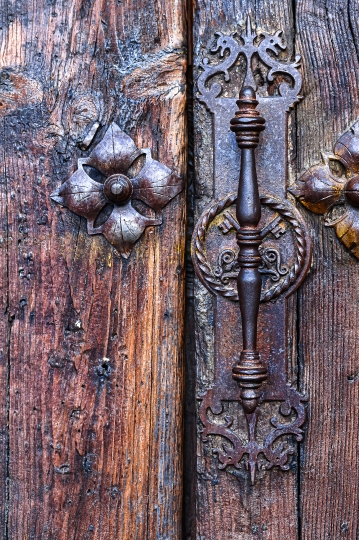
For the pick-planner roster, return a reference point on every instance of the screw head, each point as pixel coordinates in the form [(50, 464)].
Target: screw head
[(118, 188)]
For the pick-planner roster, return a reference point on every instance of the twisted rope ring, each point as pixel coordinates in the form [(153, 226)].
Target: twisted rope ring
[(204, 269)]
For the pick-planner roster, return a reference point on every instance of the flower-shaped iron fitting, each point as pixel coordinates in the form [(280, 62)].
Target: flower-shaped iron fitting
[(104, 185), (332, 189)]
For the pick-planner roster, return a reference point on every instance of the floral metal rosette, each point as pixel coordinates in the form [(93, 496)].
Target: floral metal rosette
[(104, 186), (332, 188)]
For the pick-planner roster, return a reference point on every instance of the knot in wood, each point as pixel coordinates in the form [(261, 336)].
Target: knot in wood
[(247, 123)]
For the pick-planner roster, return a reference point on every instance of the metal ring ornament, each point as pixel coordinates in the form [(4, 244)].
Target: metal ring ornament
[(303, 248)]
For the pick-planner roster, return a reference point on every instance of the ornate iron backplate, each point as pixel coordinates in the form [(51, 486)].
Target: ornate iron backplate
[(285, 251), (332, 188), (108, 180)]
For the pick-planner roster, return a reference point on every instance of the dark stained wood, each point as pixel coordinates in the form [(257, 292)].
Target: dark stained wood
[(328, 39), (228, 506), (96, 377)]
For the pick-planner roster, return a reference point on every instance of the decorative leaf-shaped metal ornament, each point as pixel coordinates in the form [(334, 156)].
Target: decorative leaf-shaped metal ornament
[(332, 189), (103, 184)]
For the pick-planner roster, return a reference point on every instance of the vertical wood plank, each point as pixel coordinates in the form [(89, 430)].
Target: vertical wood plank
[(95, 417), (327, 38), (227, 506), (5, 334)]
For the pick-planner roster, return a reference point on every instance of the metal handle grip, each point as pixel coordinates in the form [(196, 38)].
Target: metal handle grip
[(247, 125)]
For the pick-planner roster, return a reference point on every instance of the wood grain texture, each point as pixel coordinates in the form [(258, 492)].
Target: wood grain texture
[(328, 39), (5, 334), (95, 381), (227, 506)]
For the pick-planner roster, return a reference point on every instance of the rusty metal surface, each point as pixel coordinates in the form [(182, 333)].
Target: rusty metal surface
[(108, 180), (332, 189), (249, 372), (218, 267), (285, 256)]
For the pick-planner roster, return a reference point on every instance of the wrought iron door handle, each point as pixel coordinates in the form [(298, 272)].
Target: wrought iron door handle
[(247, 125), (273, 258)]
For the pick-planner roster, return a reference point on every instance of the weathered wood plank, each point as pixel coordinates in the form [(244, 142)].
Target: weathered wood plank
[(96, 379), (5, 334), (327, 38), (227, 505)]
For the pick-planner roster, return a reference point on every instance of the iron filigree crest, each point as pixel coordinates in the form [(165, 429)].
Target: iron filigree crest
[(332, 189), (267, 50), (275, 448), (107, 181)]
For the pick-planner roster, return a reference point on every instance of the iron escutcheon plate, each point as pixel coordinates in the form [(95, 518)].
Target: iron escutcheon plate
[(286, 256)]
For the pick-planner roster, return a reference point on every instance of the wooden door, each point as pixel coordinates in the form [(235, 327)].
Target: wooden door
[(91, 338), (317, 497), (100, 115)]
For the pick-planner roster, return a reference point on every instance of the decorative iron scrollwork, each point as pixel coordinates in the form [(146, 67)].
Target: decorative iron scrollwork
[(282, 229), (270, 262), (332, 189), (267, 50), (108, 180), (274, 450), (228, 266)]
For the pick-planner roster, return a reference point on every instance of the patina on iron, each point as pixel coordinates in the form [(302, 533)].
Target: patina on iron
[(272, 260), (249, 371), (107, 181), (331, 188)]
